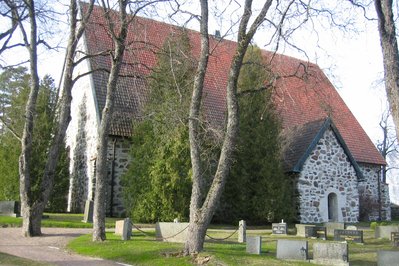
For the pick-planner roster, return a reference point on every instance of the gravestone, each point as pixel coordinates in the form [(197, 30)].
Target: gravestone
[(331, 253), (395, 239), (119, 227), (319, 232), (300, 229), (355, 236), (279, 228), (123, 228), (331, 226), (385, 231), (242, 231), (292, 249), (171, 232), (387, 258), (10, 208), (351, 227), (127, 229), (88, 215), (254, 244)]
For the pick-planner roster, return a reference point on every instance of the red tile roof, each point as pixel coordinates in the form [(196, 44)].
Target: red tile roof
[(302, 92)]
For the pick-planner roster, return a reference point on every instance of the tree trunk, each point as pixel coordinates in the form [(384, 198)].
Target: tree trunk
[(28, 226), (390, 55), (201, 213), (34, 215), (102, 146)]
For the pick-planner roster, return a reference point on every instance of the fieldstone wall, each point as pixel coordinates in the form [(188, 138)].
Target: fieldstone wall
[(118, 162), (369, 195), (327, 170)]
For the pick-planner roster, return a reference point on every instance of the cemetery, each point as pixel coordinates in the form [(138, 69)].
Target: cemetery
[(271, 244)]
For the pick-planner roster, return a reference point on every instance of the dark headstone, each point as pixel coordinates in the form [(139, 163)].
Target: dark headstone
[(355, 236), (319, 232), (279, 228), (10, 208)]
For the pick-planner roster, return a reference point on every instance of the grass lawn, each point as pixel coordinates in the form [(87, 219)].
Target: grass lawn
[(9, 260), (66, 220), (144, 250)]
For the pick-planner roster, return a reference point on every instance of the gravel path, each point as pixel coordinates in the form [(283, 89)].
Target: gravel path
[(50, 248)]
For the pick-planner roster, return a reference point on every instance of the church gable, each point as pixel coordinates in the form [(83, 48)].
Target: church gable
[(327, 183)]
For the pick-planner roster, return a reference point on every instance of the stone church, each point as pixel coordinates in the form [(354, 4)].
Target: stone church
[(335, 165)]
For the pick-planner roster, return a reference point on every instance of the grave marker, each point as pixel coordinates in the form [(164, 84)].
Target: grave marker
[(385, 231), (387, 258), (127, 229), (292, 249), (88, 215), (242, 231), (331, 226), (319, 232), (395, 239), (300, 229), (351, 227), (254, 245), (355, 236), (10, 208), (279, 228), (331, 253), (171, 232)]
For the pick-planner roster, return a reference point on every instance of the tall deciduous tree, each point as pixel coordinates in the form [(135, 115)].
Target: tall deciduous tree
[(390, 53), (118, 31), (29, 11), (203, 204)]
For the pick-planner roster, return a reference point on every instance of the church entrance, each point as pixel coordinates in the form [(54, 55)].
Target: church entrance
[(332, 207)]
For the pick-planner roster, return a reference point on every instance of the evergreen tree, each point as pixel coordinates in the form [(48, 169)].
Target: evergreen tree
[(257, 191), (157, 184), (14, 84)]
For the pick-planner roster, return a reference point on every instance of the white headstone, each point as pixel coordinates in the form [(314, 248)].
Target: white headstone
[(242, 232), (254, 245)]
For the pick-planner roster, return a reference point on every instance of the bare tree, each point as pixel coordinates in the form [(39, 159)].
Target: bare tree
[(388, 145), (118, 35), (63, 119), (203, 204), (390, 54), (19, 12)]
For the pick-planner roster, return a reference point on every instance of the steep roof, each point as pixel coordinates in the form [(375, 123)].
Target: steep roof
[(302, 93), (302, 139)]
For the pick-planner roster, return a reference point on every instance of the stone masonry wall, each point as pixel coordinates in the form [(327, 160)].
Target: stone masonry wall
[(327, 170), (117, 165), (368, 190)]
